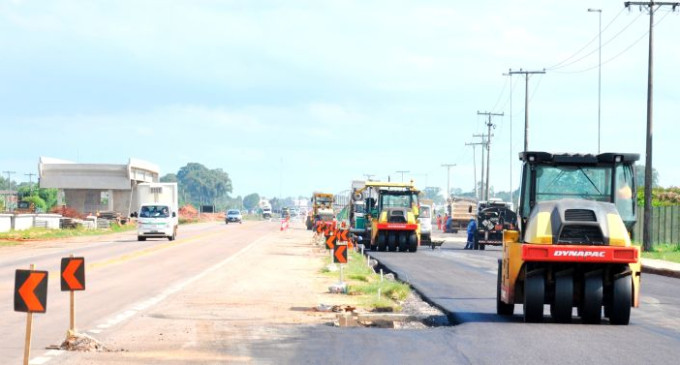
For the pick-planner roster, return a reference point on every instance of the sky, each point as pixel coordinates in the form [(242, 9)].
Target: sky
[(290, 97)]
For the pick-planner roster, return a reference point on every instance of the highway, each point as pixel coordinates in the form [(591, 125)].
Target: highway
[(203, 300), (123, 277)]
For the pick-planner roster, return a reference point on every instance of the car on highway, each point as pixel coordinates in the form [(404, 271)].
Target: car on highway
[(233, 215)]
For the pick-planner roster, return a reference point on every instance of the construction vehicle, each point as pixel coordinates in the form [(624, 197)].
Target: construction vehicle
[(493, 216), (322, 209), (572, 247), (461, 210), (392, 210)]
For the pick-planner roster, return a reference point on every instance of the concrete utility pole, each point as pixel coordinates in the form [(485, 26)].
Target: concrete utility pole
[(30, 182), (9, 181), (526, 101), (599, 77), (448, 179), (488, 149), (484, 143), (647, 222), (474, 164), (402, 172)]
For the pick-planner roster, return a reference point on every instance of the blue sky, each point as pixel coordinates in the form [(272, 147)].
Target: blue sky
[(289, 97)]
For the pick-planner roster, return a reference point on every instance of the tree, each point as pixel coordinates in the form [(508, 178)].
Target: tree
[(640, 176), (432, 193), (251, 201), (169, 178), (200, 185), (38, 202)]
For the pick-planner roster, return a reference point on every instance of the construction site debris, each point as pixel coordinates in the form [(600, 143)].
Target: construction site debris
[(82, 342)]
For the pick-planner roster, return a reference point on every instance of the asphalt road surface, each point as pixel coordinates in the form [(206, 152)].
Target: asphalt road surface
[(124, 277), (132, 284)]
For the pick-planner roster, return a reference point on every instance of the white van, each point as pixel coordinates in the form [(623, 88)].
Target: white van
[(425, 220)]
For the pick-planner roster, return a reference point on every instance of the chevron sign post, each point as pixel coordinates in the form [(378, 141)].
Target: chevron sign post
[(30, 296), (72, 279)]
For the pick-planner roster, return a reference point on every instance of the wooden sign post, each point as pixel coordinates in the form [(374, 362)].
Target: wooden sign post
[(30, 295), (72, 279)]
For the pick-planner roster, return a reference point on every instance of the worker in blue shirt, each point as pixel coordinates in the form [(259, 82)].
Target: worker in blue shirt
[(471, 230)]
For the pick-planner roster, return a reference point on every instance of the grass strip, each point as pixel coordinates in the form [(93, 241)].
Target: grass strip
[(361, 280)]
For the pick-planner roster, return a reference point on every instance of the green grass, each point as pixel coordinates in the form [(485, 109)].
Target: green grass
[(15, 237), (664, 251), (362, 281)]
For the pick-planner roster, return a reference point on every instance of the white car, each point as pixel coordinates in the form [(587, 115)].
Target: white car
[(233, 215)]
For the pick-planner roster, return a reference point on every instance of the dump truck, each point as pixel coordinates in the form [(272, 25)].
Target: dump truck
[(392, 210), (157, 211), (322, 209), (572, 246), (461, 210), (493, 216)]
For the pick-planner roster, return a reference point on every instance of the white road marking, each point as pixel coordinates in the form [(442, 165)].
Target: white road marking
[(138, 307)]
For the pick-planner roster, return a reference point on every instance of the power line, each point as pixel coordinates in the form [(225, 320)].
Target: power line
[(618, 54), (557, 65), (595, 50)]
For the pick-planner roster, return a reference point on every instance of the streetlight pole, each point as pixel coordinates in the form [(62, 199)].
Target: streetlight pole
[(402, 172), (599, 77), (448, 179)]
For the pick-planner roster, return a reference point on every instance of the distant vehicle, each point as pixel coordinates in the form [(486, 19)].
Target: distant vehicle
[(157, 214), (266, 208), (493, 217), (233, 215), (322, 209), (425, 220)]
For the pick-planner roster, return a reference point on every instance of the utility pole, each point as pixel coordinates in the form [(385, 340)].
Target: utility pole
[(484, 143), (526, 101), (647, 222), (30, 182), (510, 76), (369, 176), (448, 179), (9, 181), (402, 172), (474, 164), (599, 77), (488, 149)]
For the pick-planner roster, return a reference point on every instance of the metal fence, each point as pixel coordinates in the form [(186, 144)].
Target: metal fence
[(665, 225)]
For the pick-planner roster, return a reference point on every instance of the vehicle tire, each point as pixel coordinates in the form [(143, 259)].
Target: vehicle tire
[(382, 245), (591, 311), (403, 241), (392, 241), (226, 222), (563, 302), (482, 246), (622, 301), (502, 308), (534, 295), (475, 245), (412, 242), (140, 238)]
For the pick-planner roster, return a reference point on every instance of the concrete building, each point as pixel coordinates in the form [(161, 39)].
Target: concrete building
[(92, 187)]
